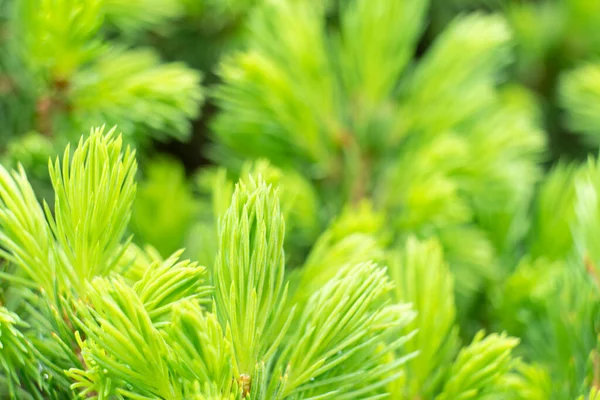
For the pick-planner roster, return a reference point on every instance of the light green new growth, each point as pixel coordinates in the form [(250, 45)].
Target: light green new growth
[(423, 279), (480, 368), (551, 300), (351, 238), (298, 199), (94, 190), (170, 282), (434, 144), (593, 395), (82, 238), (249, 287), (199, 341), (550, 233), (25, 236), (17, 355), (371, 58), (56, 253), (346, 323), (59, 35), (131, 88), (567, 215), (376, 206), (440, 371), (586, 226), (580, 96), (529, 382), (119, 333), (89, 314), (85, 79), (132, 16)]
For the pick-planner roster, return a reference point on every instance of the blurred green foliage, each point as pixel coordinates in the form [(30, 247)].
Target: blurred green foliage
[(403, 201), (72, 64)]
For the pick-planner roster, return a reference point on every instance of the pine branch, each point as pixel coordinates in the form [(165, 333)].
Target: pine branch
[(423, 279)]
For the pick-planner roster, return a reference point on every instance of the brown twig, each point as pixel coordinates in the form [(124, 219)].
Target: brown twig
[(591, 269), (596, 362), (361, 183), (348, 143), (47, 105)]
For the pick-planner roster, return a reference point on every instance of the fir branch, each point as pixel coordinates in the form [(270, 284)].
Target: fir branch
[(60, 35), (341, 328), (579, 91), (455, 79), (481, 368), (372, 59), (132, 89), (422, 278), (432, 142), (25, 235), (18, 358), (201, 351), (249, 287), (94, 191), (167, 283), (133, 16), (351, 238), (121, 346)]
